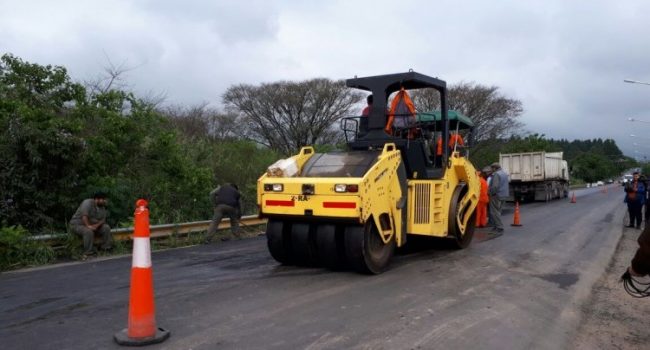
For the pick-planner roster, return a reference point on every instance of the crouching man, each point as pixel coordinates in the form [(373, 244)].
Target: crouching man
[(89, 219)]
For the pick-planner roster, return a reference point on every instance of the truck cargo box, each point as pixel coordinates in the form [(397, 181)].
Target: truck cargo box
[(535, 166)]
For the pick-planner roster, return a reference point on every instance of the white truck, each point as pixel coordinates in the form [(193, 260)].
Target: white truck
[(536, 176)]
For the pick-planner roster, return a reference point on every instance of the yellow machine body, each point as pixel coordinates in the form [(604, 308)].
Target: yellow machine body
[(378, 198), (353, 208)]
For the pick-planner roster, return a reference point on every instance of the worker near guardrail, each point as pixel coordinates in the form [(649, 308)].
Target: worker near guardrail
[(89, 219), (635, 199), (483, 199), (226, 202), (498, 192)]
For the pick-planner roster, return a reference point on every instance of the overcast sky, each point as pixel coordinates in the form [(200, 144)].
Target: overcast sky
[(565, 62)]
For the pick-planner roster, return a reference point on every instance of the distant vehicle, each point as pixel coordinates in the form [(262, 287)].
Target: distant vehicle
[(627, 178), (610, 181), (600, 183), (539, 176)]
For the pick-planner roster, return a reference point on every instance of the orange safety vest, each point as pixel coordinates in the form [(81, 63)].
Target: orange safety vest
[(453, 138), (402, 96), (483, 197)]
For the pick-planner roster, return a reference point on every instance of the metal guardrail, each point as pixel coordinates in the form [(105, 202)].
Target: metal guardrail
[(166, 230)]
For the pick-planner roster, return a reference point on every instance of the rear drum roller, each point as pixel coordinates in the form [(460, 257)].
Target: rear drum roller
[(277, 239), (365, 251), (329, 243), (303, 249), (462, 238)]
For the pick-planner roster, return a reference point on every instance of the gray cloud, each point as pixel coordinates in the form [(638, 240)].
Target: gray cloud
[(565, 61)]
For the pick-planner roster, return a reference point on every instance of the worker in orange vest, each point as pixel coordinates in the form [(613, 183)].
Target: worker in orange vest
[(454, 139), (483, 199)]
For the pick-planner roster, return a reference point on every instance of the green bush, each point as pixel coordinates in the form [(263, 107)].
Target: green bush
[(18, 250)]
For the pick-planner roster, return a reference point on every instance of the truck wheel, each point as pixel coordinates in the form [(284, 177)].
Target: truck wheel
[(546, 194), (364, 249), (462, 238), (278, 240)]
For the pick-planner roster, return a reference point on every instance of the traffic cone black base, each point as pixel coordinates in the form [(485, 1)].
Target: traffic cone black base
[(122, 338)]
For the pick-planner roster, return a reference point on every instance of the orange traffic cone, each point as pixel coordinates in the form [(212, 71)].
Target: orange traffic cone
[(516, 217), (573, 197), (142, 328)]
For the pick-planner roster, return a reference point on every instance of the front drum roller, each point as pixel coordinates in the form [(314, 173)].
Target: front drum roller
[(461, 237), (364, 249)]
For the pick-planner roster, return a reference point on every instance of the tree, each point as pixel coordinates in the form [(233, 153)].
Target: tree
[(58, 144), (494, 115), (288, 115), (39, 142), (530, 143), (592, 167), (202, 122), (489, 150), (135, 153)]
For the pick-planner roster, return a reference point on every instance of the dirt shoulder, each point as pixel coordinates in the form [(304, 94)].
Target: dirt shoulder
[(612, 319)]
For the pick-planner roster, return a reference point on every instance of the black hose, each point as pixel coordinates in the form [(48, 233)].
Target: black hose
[(635, 287)]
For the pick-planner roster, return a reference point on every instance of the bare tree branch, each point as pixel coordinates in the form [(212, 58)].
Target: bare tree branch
[(494, 115), (203, 122), (288, 115)]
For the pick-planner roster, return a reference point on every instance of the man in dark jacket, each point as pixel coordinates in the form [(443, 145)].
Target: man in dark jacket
[(635, 199), (226, 202), (646, 214)]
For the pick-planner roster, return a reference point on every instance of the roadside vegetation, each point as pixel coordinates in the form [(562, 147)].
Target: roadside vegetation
[(61, 140)]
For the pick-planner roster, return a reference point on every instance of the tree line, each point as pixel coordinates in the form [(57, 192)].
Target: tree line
[(589, 160), (62, 140)]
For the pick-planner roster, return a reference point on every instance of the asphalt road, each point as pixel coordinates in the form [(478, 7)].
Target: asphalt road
[(522, 290)]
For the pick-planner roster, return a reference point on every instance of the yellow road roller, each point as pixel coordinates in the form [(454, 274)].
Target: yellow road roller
[(352, 208)]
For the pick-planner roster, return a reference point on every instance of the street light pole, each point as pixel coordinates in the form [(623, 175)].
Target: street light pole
[(630, 81), (637, 120), (635, 82), (641, 137)]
